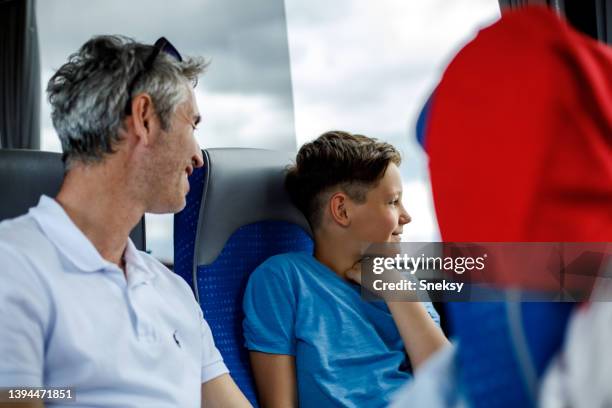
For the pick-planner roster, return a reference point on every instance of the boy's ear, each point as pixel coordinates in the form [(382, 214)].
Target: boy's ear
[(338, 205)]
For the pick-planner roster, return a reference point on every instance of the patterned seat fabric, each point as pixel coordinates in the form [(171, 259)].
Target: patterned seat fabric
[(219, 285)]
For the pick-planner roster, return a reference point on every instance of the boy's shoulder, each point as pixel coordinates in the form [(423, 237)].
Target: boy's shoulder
[(284, 266), (288, 260)]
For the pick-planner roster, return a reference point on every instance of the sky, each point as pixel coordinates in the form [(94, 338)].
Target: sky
[(282, 73)]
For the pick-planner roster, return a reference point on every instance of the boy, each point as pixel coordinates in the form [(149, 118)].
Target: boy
[(313, 341)]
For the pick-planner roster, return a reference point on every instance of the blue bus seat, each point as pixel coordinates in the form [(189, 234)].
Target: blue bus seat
[(237, 215)]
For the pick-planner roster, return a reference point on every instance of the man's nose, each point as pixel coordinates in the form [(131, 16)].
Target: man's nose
[(197, 160)]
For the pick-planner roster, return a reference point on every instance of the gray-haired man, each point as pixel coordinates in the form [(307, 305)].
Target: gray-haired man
[(80, 306)]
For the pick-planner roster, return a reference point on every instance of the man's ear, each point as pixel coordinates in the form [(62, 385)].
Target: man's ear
[(143, 117), (338, 205)]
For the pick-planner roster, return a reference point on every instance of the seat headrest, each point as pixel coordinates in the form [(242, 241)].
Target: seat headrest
[(25, 175), (241, 187)]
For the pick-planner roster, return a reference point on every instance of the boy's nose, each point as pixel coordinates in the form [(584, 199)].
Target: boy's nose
[(405, 218)]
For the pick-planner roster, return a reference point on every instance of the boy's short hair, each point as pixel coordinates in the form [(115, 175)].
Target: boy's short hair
[(353, 163)]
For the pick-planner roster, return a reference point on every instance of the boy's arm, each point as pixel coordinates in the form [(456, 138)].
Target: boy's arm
[(275, 379), (420, 334)]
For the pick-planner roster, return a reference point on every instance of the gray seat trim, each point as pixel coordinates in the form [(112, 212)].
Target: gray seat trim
[(241, 187)]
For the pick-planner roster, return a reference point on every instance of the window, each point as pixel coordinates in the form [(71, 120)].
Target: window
[(368, 67), (283, 73)]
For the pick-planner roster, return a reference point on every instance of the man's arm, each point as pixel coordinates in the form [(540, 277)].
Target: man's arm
[(222, 392), (5, 401), (25, 312), (28, 404), (275, 379)]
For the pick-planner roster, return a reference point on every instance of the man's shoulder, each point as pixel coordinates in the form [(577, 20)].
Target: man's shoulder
[(24, 252), (21, 236), (22, 224)]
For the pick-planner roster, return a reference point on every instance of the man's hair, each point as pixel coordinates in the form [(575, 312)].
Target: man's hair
[(89, 93), (352, 163)]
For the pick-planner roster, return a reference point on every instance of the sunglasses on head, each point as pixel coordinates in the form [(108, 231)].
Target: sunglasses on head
[(161, 45)]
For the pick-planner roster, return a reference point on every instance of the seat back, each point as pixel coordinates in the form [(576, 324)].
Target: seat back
[(238, 214), (25, 175)]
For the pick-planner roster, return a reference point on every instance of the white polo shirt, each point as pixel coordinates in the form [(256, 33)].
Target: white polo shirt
[(69, 318)]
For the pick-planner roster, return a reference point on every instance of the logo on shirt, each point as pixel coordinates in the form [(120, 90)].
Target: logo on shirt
[(175, 337)]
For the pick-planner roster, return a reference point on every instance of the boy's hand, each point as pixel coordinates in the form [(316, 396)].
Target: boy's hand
[(390, 276), (387, 249), (354, 274)]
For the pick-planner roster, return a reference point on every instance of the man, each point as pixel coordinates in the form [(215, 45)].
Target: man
[(81, 307)]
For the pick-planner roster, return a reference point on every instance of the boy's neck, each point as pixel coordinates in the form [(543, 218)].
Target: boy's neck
[(337, 254)]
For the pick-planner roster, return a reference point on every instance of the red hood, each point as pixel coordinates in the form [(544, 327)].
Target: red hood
[(520, 135)]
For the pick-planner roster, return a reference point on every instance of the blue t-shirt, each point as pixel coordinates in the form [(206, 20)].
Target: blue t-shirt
[(348, 352)]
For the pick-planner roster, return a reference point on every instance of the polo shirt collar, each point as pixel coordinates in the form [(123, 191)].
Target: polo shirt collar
[(137, 269), (72, 243)]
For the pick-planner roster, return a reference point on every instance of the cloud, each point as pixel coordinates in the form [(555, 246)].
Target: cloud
[(247, 89), (237, 120), (246, 41), (369, 65), (360, 65), (417, 200)]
